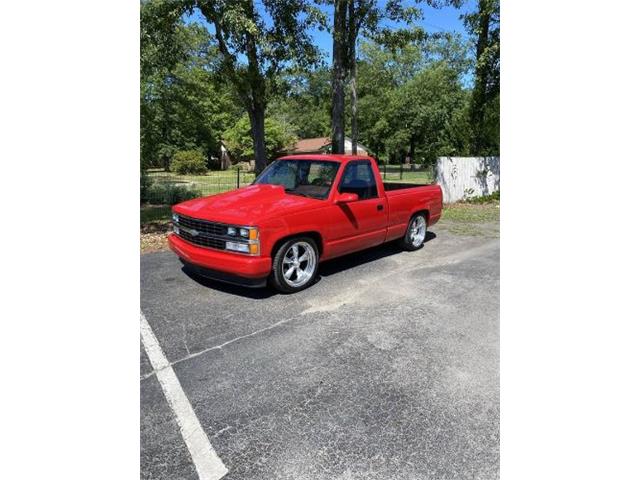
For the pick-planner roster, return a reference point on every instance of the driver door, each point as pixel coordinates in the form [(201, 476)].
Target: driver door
[(363, 223)]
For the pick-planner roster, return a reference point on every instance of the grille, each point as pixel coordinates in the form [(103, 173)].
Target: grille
[(207, 232), (203, 226), (202, 240)]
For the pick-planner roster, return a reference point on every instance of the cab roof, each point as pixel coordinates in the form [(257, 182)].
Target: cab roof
[(325, 156)]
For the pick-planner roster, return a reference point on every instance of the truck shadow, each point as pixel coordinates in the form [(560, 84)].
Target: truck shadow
[(238, 290), (362, 257), (328, 268)]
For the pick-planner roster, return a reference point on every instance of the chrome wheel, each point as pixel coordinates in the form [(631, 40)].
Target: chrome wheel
[(418, 231), (299, 264)]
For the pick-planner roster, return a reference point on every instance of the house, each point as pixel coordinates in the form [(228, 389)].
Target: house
[(225, 157), (323, 145), (224, 160)]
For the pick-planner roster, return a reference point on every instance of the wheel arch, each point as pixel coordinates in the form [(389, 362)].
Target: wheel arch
[(312, 234), (420, 210)]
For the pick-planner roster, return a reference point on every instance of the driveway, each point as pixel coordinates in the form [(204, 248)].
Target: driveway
[(387, 368)]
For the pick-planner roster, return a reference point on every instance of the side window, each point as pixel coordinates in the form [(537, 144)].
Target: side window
[(358, 178), (319, 174)]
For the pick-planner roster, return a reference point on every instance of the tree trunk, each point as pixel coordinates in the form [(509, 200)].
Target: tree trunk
[(351, 48), (412, 149), (339, 74), (479, 95), (256, 118), (354, 112), (256, 104)]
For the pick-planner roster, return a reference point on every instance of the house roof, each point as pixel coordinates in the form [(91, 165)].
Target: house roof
[(311, 144), (308, 145)]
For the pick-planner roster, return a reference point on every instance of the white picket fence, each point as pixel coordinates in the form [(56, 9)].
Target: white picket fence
[(467, 177)]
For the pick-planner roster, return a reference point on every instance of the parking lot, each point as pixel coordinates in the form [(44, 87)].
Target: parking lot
[(387, 368)]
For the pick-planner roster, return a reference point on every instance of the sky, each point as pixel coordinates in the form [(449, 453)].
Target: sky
[(446, 19), (435, 20)]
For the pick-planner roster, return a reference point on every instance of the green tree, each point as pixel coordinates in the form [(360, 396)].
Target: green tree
[(352, 17), (304, 101), (382, 72), (421, 113), (279, 136), (411, 99), (255, 47), (185, 103), (484, 117)]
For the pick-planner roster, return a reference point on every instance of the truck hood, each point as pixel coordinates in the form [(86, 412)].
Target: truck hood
[(247, 205)]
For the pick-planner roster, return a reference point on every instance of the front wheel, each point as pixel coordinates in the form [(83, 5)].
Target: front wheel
[(295, 265), (416, 233)]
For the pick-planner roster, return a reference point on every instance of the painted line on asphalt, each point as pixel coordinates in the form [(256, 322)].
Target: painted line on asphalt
[(219, 347), (206, 460)]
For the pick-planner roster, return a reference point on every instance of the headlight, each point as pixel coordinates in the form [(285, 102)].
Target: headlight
[(247, 240), (175, 217), (237, 247)]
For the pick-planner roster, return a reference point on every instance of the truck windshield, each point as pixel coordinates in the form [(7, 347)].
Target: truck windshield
[(309, 178)]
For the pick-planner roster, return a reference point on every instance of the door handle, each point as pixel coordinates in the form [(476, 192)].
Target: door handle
[(379, 207)]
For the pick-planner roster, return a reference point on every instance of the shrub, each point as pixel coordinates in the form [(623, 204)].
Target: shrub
[(279, 135), (189, 162), (492, 198), (170, 194)]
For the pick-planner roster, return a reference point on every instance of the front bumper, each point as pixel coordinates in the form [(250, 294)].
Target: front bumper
[(224, 277), (230, 264)]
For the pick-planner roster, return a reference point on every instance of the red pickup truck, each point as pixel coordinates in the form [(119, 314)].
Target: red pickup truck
[(301, 210)]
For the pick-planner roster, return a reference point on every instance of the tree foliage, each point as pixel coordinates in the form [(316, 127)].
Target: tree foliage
[(248, 73), (304, 101), (184, 101), (412, 101), (255, 45), (371, 18), (279, 136), (484, 109)]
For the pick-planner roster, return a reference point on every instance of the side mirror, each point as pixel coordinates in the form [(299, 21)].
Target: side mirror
[(347, 198)]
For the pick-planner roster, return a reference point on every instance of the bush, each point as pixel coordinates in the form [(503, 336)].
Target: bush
[(279, 135), (189, 162), (170, 194), (493, 198)]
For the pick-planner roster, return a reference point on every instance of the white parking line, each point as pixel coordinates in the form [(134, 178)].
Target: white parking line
[(207, 463)]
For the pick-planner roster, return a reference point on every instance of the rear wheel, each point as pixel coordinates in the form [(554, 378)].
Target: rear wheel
[(295, 265), (416, 233)]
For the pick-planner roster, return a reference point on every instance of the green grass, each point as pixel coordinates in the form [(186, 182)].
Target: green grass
[(468, 219), (408, 176), (209, 184), (154, 214), (472, 213)]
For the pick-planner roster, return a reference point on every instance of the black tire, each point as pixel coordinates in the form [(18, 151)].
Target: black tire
[(277, 278), (406, 242)]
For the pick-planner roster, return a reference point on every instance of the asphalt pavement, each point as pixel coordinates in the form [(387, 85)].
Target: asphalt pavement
[(386, 368)]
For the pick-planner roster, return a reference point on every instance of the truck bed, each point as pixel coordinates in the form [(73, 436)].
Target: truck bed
[(401, 186)]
